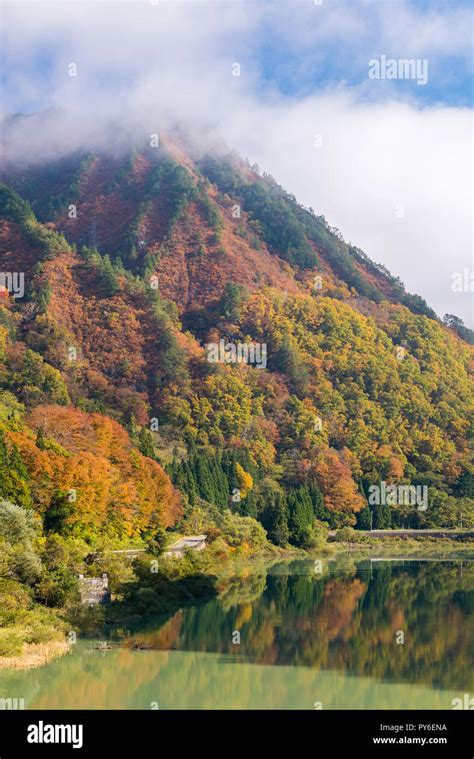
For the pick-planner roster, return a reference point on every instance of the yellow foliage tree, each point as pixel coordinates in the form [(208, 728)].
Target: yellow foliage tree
[(244, 479)]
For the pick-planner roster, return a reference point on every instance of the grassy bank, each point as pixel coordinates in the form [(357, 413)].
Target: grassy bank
[(30, 634), (425, 546), (35, 655)]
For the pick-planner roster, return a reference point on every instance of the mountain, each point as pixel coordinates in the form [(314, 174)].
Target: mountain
[(147, 275)]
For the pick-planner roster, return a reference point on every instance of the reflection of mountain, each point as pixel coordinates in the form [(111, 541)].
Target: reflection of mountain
[(340, 630), (243, 590), (344, 623)]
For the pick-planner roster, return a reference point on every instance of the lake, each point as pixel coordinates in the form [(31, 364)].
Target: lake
[(365, 634)]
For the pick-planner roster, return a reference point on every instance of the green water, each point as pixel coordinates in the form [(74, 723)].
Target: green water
[(306, 639)]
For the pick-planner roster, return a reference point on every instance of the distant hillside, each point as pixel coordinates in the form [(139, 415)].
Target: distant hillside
[(195, 216), (143, 273)]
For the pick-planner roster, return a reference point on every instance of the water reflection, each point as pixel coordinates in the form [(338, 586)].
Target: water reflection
[(343, 622), (304, 638)]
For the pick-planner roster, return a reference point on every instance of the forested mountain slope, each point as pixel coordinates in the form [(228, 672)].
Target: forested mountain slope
[(143, 272)]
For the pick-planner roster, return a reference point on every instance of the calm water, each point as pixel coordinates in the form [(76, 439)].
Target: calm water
[(305, 639)]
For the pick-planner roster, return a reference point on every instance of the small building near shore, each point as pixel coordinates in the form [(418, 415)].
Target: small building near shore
[(178, 549), (94, 590)]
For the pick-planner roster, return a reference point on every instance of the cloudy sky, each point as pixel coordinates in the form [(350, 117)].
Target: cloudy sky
[(387, 160)]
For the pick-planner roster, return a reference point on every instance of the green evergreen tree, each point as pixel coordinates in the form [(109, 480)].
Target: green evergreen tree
[(107, 280), (273, 514), (301, 516), (13, 474), (40, 441), (288, 361), (364, 519), (232, 299), (145, 443), (58, 513), (317, 500), (382, 518)]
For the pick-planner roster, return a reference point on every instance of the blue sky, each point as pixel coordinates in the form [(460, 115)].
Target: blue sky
[(338, 39), (341, 59)]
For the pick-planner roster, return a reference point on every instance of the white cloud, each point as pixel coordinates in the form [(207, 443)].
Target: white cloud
[(396, 180), (142, 66)]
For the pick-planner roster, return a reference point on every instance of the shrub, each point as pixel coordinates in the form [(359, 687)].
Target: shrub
[(18, 528)]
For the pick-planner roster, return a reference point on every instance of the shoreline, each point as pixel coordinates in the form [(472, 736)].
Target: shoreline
[(35, 655), (392, 548)]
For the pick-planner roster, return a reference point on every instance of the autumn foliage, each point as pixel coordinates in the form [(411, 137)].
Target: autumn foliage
[(105, 372), (89, 459)]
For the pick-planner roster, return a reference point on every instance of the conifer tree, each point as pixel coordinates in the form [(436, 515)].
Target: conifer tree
[(301, 516), (40, 441), (13, 474), (145, 443), (274, 515)]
